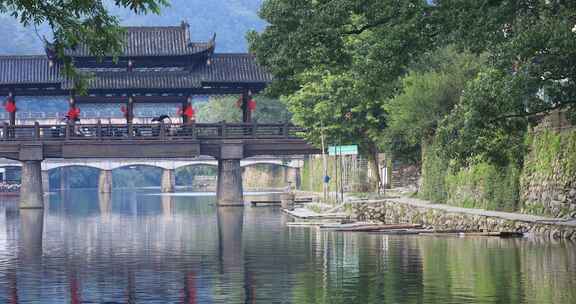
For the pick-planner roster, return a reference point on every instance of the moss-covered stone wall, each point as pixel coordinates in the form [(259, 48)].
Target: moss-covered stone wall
[(548, 180), (545, 184)]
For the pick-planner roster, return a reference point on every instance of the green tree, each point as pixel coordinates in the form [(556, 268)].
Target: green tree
[(474, 131), (534, 40), (429, 92), (75, 23), (217, 109), (336, 62)]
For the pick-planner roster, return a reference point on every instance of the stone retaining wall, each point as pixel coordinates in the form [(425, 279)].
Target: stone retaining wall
[(393, 212)]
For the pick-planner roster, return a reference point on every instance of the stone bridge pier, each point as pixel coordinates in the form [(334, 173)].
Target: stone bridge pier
[(168, 181), (105, 181), (31, 189), (229, 190)]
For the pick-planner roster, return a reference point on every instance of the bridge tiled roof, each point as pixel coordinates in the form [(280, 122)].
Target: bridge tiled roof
[(157, 79), (147, 41), (184, 67), (21, 70), (223, 68), (234, 68)]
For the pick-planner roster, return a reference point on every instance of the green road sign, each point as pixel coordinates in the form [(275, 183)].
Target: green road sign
[(343, 150)]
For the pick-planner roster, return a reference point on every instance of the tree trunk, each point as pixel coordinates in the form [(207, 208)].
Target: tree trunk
[(375, 181)]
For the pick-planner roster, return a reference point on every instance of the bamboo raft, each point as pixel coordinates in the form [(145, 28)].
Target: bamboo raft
[(399, 229), (299, 200)]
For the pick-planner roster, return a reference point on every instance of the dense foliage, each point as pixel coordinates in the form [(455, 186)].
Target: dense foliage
[(430, 90), (217, 109), (450, 85), (336, 61)]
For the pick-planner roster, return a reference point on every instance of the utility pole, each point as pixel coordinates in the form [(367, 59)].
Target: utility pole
[(325, 164)]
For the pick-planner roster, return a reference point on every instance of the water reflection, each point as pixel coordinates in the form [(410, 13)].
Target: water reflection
[(129, 247), (30, 235)]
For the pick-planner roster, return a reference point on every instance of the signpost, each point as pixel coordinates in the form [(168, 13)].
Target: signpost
[(343, 150), (339, 151)]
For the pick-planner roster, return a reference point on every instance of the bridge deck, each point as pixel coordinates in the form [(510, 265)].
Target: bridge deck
[(37, 141)]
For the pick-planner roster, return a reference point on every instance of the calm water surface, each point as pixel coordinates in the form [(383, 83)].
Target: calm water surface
[(141, 248)]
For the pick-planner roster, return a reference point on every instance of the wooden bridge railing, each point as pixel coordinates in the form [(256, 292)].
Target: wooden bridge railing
[(159, 131)]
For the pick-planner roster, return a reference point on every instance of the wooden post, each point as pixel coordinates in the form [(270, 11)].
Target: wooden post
[(222, 129), (36, 130), (99, 129), (193, 130), (162, 131), (12, 115), (5, 130), (246, 115), (72, 105), (285, 129), (130, 110), (67, 131), (185, 104)]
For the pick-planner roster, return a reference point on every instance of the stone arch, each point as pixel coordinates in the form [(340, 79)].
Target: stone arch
[(267, 175), (11, 173), (248, 163), (197, 175), (129, 166), (149, 175), (61, 177), (211, 163), (71, 165), (286, 162)]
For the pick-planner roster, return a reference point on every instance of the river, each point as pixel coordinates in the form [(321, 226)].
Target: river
[(138, 247)]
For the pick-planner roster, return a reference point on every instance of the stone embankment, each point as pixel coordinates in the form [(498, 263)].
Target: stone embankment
[(445, 217)]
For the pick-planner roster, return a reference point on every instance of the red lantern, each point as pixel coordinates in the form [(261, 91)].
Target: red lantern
[(188, 111), (124, 110), (73, 114), (252, 105), (10, 105)]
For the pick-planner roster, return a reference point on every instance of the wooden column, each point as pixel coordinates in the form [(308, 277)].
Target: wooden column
[(71, 106), (130, 110), (186, 103), (9, 131), (246, 113), (12, 115)]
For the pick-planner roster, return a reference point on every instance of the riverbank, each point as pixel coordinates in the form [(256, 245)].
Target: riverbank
[(445, 217), (398, 208)]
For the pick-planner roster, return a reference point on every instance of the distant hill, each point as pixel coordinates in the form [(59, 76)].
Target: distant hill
[(229, 19)]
